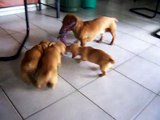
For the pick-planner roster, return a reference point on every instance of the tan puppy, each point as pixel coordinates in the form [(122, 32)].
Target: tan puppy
[(93, 55), (86, 31), (30, 61), (47, 74)]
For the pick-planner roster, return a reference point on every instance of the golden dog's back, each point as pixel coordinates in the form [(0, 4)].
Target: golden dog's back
[(94, 27)]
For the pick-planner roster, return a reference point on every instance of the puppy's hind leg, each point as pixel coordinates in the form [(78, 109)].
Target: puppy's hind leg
[(113, 33), (104, 68), (113, 38)]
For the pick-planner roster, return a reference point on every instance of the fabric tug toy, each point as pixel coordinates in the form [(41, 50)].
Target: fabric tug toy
[(63, 34)]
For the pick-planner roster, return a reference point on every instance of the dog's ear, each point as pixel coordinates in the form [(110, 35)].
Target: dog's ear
[(69, 19)]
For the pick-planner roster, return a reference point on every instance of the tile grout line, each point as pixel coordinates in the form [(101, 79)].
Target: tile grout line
[(12, 103), (96, 105), (136, 82), (11, 35), (136, 37), (145, 107), (81, 86), (87, 97), (38, 26), (50, 105), (138, 55)]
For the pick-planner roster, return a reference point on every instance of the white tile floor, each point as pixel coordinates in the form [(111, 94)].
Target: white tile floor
[(129, 91)]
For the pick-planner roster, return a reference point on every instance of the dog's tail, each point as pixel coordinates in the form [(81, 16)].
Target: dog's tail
[(111, 60), (115, 19)]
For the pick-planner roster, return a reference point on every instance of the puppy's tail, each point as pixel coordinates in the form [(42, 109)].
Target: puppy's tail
[(115, 19), (111, 60)]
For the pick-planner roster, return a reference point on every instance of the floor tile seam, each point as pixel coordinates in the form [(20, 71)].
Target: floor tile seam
[(7, 33), (148, 60), (145, 107), (40, 28), (96, 105), (60, 99), (15, 108), (151, 22), (139, 55), (157, 45), (138, 38), (93, 80), (74, 86), (49, 16), (134, 56), (126, 49), (23, 18), (3, 29), (136, 82), (38, 13), (11, 35), (9, 21), (30, 23)]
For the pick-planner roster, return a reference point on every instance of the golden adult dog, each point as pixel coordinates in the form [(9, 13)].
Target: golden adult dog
[(93, 55), (31, 60), (86, 31), (47, 73)]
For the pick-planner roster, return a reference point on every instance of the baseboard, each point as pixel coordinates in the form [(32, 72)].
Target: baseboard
[(18, 9)]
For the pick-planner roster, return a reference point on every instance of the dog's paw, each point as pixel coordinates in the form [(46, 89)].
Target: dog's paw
[(51, 85), (98, 41), (39, 86), (101, 75), (78, 60), (111, 43)]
